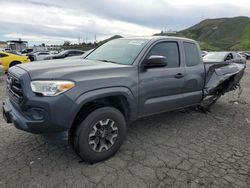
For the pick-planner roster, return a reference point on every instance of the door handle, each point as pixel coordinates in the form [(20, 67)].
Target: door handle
[(179, 75)]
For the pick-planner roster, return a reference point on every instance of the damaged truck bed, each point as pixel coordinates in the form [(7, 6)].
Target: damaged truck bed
[(221, 77)]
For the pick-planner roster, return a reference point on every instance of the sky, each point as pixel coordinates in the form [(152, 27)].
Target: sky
[(56, 21)]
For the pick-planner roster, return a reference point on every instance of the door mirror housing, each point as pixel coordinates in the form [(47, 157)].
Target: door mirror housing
[(155, 61)]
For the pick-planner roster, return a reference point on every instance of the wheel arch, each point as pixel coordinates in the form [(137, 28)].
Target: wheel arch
[(15, 62), (119, 97)]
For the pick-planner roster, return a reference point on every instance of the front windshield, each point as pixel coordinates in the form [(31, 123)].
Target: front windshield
[(121, 51), (214, 56)]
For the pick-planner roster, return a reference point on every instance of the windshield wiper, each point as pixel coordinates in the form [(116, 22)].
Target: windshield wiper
[(108, 61)]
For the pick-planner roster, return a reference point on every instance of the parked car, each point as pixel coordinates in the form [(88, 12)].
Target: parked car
[(247, 55), (66, 53), (9, 60), (203, 53), (7, 50), (27, 50), (242, 54), (53, 52), (38, 56), (16, 52), (232, 57), (90, 101), (86, 53)]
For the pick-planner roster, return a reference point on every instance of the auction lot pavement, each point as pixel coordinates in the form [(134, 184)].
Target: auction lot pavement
[(178, 149)]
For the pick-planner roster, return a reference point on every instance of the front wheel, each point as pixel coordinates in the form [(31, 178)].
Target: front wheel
[(100, 134)]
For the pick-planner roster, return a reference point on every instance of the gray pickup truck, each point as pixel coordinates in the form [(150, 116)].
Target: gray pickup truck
[(89, 102)]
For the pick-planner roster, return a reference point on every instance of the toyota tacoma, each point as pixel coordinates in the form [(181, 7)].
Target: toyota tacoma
[(89, 102)]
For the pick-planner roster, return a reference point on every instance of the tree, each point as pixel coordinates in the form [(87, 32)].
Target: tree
[(66, 43)]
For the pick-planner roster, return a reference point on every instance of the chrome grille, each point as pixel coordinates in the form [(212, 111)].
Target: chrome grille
[(14, 88)]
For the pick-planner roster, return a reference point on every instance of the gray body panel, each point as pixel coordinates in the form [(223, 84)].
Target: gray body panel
[(160, 90)]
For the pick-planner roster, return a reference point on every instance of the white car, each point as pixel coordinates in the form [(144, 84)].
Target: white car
[(38, 56), (81, 56)]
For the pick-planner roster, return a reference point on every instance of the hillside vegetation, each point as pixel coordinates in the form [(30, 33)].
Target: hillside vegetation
[(220, 34), (212, 34)]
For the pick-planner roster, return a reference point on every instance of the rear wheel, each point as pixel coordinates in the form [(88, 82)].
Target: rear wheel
[(100, 134)]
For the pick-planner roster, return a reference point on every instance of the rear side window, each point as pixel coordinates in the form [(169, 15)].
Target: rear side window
[(192, 54), (3, 55), (168, 49)]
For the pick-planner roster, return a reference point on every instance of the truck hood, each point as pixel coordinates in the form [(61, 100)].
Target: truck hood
[(68, 68)]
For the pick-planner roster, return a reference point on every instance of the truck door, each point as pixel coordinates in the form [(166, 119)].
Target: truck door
[(160, 89), (195, 74)]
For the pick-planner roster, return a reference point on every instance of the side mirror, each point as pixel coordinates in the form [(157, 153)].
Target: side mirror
[(155, 61)]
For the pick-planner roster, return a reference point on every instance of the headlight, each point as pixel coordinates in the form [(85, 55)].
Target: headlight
[(51, 88)]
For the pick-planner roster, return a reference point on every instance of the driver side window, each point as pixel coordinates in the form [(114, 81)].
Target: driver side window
[(170, 50)]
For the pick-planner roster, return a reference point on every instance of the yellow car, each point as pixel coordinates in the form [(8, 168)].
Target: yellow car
[(8, 60)]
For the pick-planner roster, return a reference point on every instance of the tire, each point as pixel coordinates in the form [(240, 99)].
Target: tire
[(93, 144), (31, 58), (14, 63)]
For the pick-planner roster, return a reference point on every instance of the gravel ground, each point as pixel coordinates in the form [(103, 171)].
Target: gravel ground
[(177, 149)]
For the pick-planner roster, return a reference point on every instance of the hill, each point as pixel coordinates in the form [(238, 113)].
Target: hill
[(221, 33)]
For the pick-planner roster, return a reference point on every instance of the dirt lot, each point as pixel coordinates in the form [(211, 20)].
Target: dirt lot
[(177, 149)]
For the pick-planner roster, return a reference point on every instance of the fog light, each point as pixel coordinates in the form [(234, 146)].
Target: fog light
[(36, 113)]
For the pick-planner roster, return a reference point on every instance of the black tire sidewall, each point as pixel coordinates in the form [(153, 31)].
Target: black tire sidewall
[(85, 151)]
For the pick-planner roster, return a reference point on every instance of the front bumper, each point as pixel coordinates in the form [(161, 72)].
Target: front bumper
[(48, 116), (39, 120), (52, 135), (12, 115)]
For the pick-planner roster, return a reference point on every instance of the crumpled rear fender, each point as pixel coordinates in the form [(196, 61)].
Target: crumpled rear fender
[(222, 77)]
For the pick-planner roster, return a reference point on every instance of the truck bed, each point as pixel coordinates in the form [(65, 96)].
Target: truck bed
[(222, 77)]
